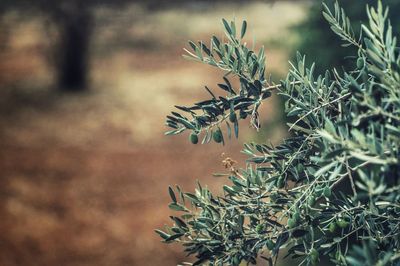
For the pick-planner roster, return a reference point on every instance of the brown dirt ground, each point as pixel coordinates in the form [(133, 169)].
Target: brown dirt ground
[(83, 178)]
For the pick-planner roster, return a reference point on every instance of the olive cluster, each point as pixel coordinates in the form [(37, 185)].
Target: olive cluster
[(217, 134)]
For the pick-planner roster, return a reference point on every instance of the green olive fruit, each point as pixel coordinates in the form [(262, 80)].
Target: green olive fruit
[(232, 117), (291, 223), (314, 256), (296, 216), (300, 168), (217, 136), (194, 138), (360, 63), (337, 255), (332, 227), (327, 191), (236, 260), (311, 201), (270, 244), (342, 223), (259, 228)]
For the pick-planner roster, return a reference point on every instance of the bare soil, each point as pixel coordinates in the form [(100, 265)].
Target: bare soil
[(84, 177)]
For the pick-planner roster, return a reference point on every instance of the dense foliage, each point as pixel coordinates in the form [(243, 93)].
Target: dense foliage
[(331, 188), (322, 46)]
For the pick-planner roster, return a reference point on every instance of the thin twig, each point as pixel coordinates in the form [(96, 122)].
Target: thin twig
[(353, 187), (317, 108)]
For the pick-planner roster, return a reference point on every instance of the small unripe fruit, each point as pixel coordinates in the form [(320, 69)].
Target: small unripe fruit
[(327, 191), (259, 228), (291, 223), (217, 136), (314, 256), (236, 260), (270, 244), (194, 138), (360, 63), (342, 223), (332, 227), (296, 216), (311, 201), (337, 255), (232, 117)]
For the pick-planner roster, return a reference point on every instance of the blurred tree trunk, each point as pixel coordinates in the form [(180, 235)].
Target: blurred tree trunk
[(75, 22)]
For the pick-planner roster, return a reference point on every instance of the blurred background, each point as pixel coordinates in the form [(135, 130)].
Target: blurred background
[(84, 89)]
